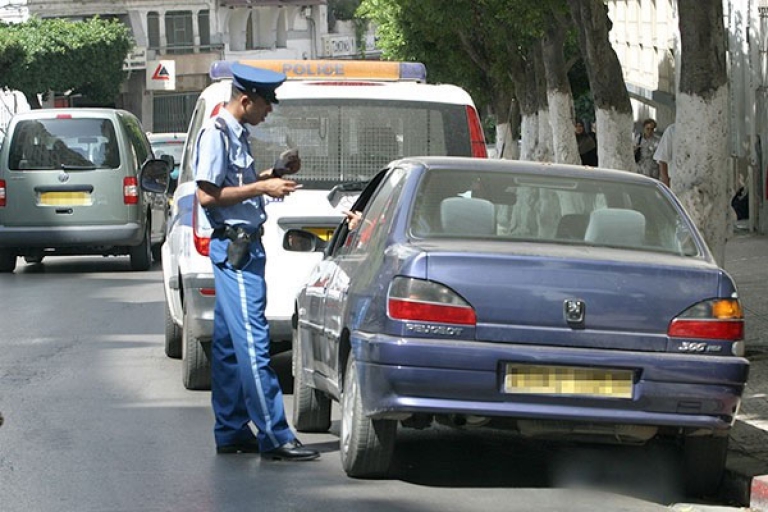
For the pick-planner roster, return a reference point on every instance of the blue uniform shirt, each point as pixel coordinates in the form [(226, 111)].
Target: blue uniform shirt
[(212, 165)]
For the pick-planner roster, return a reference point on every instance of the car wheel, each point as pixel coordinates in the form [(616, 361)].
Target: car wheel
[(7, 261), (311, 407), (704, 463), (157, 252), (196, 362), (366, 444), (141, 254), (173, 334)]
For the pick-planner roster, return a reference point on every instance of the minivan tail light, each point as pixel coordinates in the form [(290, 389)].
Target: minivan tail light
[(202, 243), (716, 319), (426, 301), (476, 136), (2, 192), (130, 190)]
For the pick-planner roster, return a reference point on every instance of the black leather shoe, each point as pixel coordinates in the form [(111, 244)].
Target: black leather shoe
[(246, 447), (292, 450)]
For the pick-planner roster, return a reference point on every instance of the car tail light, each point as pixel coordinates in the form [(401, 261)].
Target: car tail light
[(716, 319), (202, 243), (130, 190), (426, 301), (2, 192), (476, 136)]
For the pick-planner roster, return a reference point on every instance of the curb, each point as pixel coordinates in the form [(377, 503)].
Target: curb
[(759, 494), (744, 484)]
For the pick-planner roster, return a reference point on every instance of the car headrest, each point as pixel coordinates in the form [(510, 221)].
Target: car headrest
[(616, 226), (467, 216)]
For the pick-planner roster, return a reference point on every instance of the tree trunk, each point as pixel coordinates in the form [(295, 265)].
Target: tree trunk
[(614, 110), (544, 150), (559, 96), (700, 176), (529, 108)]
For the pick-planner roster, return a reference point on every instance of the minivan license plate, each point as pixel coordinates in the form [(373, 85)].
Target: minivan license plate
[(65, 198), (567, 380)]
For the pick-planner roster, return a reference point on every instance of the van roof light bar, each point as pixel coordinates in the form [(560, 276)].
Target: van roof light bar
[(338, 70)]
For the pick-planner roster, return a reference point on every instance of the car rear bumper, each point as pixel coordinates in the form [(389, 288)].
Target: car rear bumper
[(53, 237), (457, 377)]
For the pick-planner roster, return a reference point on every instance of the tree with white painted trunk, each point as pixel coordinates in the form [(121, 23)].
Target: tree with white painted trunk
[(559, 95), (606, 79), (699, 176)]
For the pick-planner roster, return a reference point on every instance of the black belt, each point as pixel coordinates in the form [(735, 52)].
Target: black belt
[(235, 233)]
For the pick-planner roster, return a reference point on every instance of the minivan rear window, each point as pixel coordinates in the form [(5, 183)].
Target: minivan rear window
[(351, 139), (64, 143)]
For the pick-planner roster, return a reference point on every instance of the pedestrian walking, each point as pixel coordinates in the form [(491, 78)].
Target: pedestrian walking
[(587, 145), (664, 155), (645, 147), (244, 386)]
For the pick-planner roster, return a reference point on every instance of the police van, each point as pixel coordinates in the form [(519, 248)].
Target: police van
[(347, 119)]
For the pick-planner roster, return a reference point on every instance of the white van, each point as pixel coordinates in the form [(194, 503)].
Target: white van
[(348, 119)]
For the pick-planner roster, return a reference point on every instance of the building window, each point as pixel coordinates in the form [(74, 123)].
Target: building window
[(204, 24), (153, 30), (178, 32), (250, 44)]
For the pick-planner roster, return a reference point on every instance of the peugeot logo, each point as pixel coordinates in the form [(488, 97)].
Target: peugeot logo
[(574, 311), (63, 177)]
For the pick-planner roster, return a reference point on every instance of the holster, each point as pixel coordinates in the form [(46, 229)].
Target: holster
[(240, 244)]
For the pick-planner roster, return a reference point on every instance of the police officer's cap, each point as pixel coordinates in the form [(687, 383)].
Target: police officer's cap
[(252, 80)]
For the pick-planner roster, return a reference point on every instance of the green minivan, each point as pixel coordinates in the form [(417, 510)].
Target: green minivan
[(70, 185)]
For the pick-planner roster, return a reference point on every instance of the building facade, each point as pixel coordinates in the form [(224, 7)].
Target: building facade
[(176, 43), (646, 38)]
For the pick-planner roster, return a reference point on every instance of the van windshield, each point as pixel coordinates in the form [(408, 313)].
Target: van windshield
[(342, 140), (72, 143)]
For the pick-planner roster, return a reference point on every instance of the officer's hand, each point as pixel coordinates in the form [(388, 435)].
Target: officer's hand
[(278, 187)]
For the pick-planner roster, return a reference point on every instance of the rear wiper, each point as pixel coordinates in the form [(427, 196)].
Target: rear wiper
[(67, 167)]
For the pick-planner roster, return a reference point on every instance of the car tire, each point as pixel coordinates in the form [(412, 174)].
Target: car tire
[(157, 252), (311, 407), (704, 464), (366, 445), (7, 261), (196, 362), (173, 336), (141, 256)]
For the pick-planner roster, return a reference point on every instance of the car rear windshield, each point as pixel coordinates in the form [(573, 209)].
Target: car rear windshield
[(64, 143), (583, 211), (171, 147), (343, 140)]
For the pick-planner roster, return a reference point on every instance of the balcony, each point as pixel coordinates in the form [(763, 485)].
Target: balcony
[(269, 3)]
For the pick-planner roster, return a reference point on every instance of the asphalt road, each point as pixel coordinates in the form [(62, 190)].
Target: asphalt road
[(96, 419)]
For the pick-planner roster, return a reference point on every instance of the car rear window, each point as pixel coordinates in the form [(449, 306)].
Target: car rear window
[(172, 147), (351, 139), (593, 212), (64, 143)]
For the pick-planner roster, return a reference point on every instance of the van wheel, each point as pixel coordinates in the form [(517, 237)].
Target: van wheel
[(7, 261), (366, 445), (173, 336), (157, 252), (704, 464), (196, 362), (311, 407), (141, 254)]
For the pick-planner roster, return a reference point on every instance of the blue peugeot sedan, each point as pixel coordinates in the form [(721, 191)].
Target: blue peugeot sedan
[(563, 300)]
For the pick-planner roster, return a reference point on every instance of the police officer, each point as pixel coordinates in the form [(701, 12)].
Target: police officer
[(244, 387)]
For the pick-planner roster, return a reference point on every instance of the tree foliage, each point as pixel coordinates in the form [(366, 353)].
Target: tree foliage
[(58, 55)]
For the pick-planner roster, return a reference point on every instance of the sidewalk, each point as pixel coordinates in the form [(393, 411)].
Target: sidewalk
[(746, 481)]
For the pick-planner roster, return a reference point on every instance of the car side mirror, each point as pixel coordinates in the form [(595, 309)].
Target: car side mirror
[(154, 176), (298, 240)]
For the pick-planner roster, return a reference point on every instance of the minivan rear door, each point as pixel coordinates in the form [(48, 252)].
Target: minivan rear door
[(64, 169)]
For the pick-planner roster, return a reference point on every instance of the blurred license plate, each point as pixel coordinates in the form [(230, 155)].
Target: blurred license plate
[(65, 198), (323, 233), (565, 380)]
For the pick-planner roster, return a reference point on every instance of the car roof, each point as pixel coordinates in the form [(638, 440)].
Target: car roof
[(523, 167), (49, 113)]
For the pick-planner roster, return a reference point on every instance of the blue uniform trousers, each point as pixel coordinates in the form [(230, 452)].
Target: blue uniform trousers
[(243, 385)]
